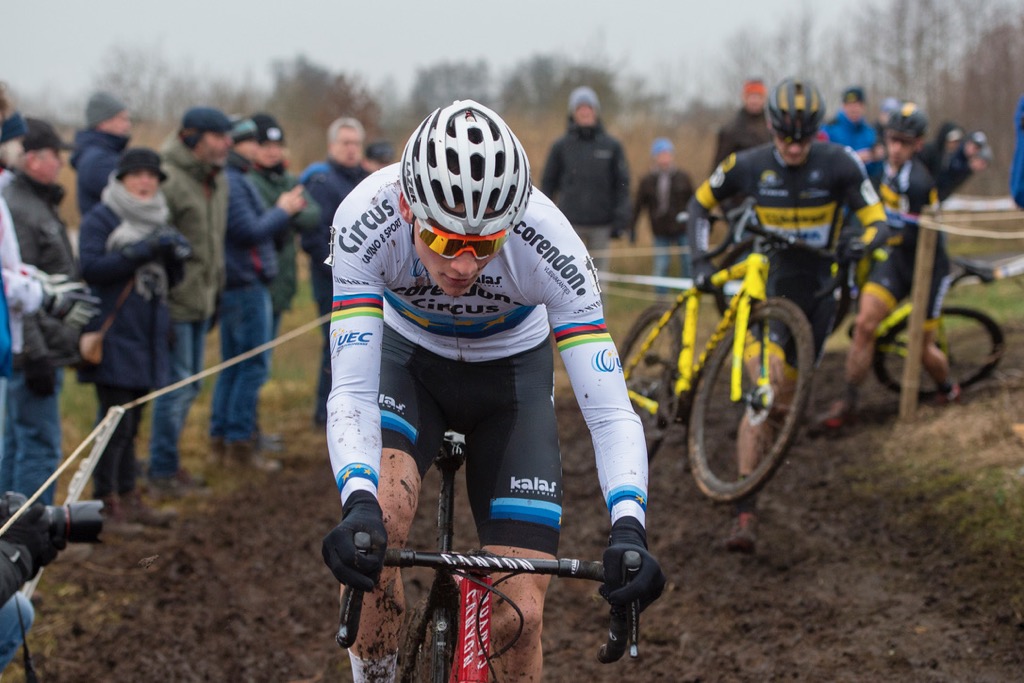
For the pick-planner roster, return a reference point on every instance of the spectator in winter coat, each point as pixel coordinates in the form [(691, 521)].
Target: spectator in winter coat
[(32, 447), (587, 176), (663, 194), (749, 128), (197, 198), (245, 311), (270, 175), (98, 146), (329, 182), (851, 128), (131, 257)]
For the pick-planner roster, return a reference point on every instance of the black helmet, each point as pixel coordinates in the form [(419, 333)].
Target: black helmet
[(795, 110), (908, 121)]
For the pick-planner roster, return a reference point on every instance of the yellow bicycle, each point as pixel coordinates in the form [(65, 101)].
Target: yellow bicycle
[(734, 390)]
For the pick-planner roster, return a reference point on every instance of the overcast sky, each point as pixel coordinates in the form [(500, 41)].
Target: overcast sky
[(57, 47)]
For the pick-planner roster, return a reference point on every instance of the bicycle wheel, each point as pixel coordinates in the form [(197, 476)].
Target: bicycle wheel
[(651, 376), (431, 631), (972, 341), (764, 417)]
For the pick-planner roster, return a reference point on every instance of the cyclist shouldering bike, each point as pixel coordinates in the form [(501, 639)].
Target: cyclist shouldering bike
[(451, 273), (801, 186)]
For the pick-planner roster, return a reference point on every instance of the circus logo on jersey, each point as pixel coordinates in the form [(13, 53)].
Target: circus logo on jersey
[(769, 178), (606, 361), (366, 233)]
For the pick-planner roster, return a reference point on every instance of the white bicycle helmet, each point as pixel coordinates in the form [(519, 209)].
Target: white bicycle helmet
[(466, 171)]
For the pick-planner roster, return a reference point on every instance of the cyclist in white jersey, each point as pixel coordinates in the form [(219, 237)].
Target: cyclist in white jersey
[(450, 274)]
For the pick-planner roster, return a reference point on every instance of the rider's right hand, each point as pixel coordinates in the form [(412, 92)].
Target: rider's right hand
[(646, 585), (357, 568), (703, 269)]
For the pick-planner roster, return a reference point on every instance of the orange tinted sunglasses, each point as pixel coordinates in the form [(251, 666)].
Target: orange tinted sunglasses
[(449, 244)]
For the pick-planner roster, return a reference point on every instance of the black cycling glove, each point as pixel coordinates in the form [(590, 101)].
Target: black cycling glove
[(646, 585), (703, 269), (356, 568)]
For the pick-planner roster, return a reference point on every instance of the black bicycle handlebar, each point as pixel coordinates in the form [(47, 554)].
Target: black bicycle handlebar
[(623, 629)]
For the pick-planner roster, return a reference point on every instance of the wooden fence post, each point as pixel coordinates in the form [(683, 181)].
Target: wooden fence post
[(924, 262)]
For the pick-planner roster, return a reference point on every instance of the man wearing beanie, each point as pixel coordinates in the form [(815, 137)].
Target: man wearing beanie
[(663, 194), (98, 146), (246, 312), (851, 128), (749, 128), (587, 176), (197, 199)]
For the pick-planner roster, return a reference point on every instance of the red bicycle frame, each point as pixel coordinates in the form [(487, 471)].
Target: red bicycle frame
[(470, 661)]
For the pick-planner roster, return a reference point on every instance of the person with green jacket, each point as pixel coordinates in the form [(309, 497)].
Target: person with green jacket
[(271, 177), (197, 197)]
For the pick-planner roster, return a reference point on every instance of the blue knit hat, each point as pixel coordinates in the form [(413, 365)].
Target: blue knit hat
[(14, 126), (662, 145)]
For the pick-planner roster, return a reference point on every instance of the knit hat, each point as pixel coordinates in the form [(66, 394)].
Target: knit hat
[(14, 126), (854, 93), (140, 159), (243, 130), (102, 106), (754, 85), (889, 105), (583, 95), (661, 145), (40, 135), (381, 151), (267, 129)]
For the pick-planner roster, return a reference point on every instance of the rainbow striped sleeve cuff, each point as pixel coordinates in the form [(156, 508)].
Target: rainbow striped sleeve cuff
[(568, 336), (357, 305)]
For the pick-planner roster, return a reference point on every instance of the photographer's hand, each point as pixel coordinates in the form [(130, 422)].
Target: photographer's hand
[(31, 531)]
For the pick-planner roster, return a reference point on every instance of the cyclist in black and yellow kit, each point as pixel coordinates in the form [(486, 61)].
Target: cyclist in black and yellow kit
[(907, 188), (801, 187)]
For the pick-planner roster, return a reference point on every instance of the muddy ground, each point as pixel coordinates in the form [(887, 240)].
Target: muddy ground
[(836, 591)]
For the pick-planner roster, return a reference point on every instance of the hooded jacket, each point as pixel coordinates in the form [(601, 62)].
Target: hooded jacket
[(95, 157), (328, 183), (197, 196), (587, 176)]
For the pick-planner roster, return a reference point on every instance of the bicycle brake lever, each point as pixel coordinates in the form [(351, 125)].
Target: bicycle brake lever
[(631, 562), (352, 601)]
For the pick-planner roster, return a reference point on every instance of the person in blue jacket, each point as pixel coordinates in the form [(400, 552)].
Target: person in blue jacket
[(131, 257), (98, 147), (851, 128), (1017, 165)]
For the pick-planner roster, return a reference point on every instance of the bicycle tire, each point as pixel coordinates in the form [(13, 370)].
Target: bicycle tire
[(715, 419), (418, 660), (972, 341), (653, 375)]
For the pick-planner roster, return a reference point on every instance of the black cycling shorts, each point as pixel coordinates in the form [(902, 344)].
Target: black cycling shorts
[(891, 280), (800, 277), (505, 408)]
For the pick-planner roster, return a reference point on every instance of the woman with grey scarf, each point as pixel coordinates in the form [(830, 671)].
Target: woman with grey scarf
[(130, 257)]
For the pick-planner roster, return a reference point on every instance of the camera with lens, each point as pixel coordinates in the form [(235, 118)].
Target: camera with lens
[(79, 522)]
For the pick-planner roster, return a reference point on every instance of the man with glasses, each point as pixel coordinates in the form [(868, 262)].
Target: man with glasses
[(800, 186), (450, 274), (907, 189)]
